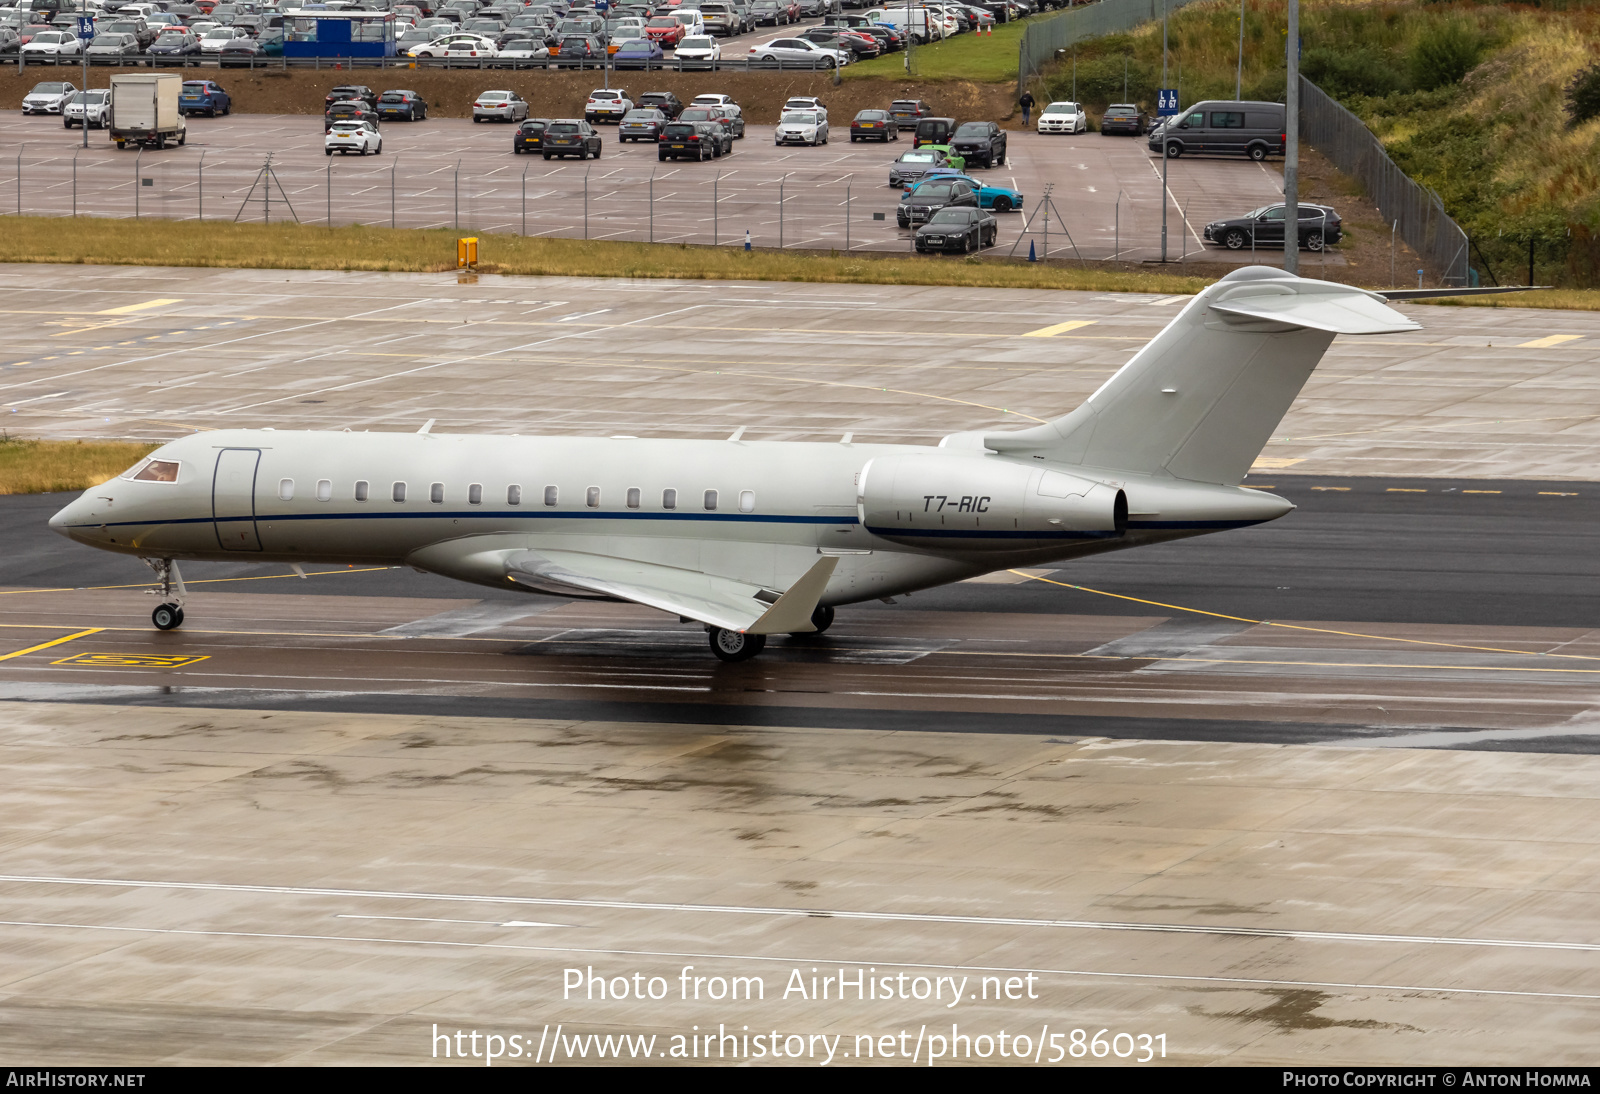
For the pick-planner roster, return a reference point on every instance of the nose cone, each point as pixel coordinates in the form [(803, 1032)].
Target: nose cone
[(75, 514)]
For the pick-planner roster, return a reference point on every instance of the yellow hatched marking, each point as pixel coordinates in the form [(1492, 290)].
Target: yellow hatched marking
[(1550, 340), (1276, 462), (1059, 328), (52, 642), (133, 660), (128, 309)]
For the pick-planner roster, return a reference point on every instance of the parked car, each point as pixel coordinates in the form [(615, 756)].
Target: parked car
[(691, 140), (109, 48), (1319, 225), (174, 42), (1002, 199), (665, 30), (52, 46), (530, 136), (729, 116), (980, 143), (643, 53), (246, 52), (664, 101), (91, 108), (911, 166), (499, 106), (770, 12), (933, 131), (874, 125), (1125, 119), (204, 97), (959, 230), (345, 92), (10, 40), (712, 99), (928, 197), (516, 49), (801, 127), (698, 50), (839, 40), (579, 50), (1063, 117), (350, 110), (352, 136), (47, 98), (805, 102), (1223, 127), (799, 52), (402, 104), (642, 124), (213, 40), (571, 137), (908, 112), (609, 104)]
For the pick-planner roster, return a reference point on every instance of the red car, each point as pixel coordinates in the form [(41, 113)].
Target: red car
[(665, 30), (792, 7)]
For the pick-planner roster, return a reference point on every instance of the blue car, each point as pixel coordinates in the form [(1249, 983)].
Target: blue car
[(204, 97), (639, 53), (1002, 199)]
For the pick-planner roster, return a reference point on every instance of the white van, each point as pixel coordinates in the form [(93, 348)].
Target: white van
[(693, 25), (914, 21)]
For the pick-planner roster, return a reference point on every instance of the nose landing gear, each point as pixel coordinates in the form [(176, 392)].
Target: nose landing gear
[(169, 615)]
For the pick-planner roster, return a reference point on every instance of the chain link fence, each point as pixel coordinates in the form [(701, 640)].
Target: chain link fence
[(1415, 210), (1040, 40)]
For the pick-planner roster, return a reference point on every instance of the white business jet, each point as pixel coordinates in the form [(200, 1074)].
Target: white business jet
[(752, 538)]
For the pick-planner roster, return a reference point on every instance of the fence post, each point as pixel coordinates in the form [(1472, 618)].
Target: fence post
[(458, 195), (524, 201), (138, 181), (715, 183), (393, 165), (329, 217), (1116, 229), (75, 169), (780, 211), (20, 147), (847, 218), (200, 173), (652, 206), (586, 202)]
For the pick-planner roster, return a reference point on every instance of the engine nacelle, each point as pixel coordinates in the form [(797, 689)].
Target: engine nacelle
[(961, 501)]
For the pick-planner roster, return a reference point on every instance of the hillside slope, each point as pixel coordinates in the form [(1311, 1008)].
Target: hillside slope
[(1468, 98)]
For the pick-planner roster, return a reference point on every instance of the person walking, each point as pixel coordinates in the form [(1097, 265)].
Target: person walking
[(1026, 102)]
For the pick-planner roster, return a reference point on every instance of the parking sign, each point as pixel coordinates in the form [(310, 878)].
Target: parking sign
[(85, 26), (1167, 102)]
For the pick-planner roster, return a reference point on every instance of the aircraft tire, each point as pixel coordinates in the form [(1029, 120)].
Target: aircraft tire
[(733, 646), (167, 617), (821, 618)]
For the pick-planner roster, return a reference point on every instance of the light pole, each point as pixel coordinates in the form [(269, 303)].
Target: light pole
[(1166, 141), (911, 36), (85, 23), (1291, 146)]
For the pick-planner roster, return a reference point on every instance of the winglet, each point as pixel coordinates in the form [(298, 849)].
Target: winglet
[(792, 612)]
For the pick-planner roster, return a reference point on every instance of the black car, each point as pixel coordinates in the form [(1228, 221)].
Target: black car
[(933, 131), (961, 229), (571, 137), (664, 101), (641, 124), (352, 91), (1319, 225), (874, 125), (860, 47), (889, 38), (245, 52), (402, 104), (691, 140), (908, 112), (1124, 118), (349, 110), (979, 143), (920, 203), (530, 136), (579, 50)]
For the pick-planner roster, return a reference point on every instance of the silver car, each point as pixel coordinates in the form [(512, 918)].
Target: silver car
[(500, 106), (912, 165), (47, 98)]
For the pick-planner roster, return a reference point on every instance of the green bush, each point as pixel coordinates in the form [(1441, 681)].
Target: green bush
[(1443, 54), (1344, 73), (1583, 95), (1100, 81)]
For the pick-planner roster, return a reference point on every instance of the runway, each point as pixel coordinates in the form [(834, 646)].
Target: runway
[(1319, 790)]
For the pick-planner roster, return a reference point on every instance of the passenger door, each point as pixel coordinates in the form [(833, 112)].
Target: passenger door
[(1269, 226), (233, 499)]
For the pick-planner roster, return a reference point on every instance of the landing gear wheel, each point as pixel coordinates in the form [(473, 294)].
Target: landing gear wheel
[(733, 646), (822, 618), (167, 617)]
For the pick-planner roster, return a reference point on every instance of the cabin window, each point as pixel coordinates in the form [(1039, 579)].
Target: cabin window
[(633, 497), (593, 499), (285, 489), (436, 493), (399, 492), (551, 495), (361, 489), (747, 501), (475, 494), (158, 471), (711, 499), (324, 489), (513, 495), (669, 498)]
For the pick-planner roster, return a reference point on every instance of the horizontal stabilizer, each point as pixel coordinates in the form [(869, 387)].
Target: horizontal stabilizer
[(1343, 311)]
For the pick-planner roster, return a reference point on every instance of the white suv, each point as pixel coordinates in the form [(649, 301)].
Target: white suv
[(606, 104), (92, 108)]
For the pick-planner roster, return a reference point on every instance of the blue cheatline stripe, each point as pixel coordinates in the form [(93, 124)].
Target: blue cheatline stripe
[(980, 533), (476, 514)]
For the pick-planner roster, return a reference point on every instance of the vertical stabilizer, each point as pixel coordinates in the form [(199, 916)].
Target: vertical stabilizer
[(1201, 400)]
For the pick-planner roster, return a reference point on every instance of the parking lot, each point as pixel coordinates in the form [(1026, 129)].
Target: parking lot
[(450, 173)]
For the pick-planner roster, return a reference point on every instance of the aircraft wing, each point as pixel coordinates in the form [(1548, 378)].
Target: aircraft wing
[(720, 601)]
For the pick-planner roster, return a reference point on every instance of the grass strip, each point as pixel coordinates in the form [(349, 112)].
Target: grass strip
[(41, 467), (98, 241), (987, 58)]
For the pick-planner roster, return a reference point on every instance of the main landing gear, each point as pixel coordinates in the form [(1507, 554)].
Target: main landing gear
[(733, 646), (168, 616)]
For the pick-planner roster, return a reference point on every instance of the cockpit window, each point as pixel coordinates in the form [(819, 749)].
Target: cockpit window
[(158, 471)]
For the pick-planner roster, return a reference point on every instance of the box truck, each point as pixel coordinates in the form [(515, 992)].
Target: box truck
[(144, 110)]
